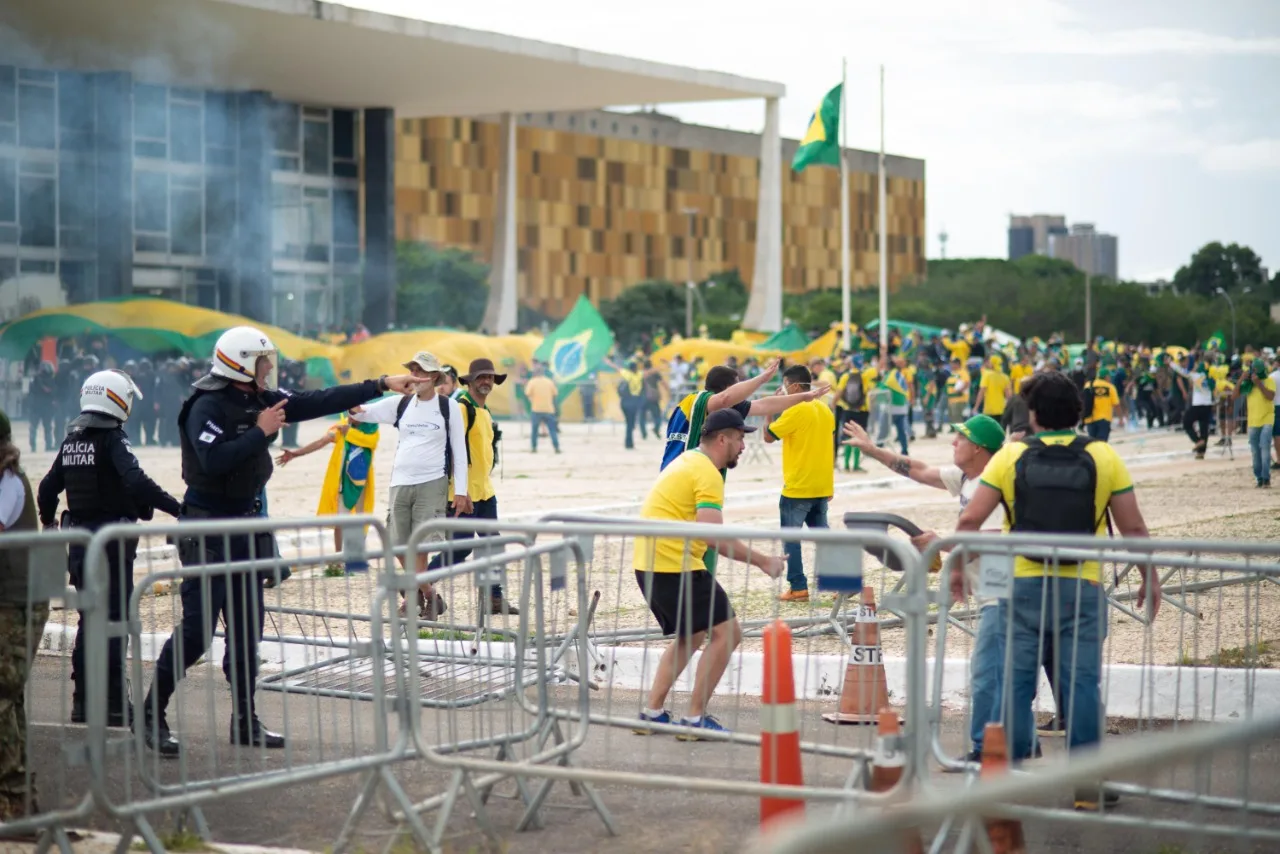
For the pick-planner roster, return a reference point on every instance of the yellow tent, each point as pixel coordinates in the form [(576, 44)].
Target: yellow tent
[(713, 352)]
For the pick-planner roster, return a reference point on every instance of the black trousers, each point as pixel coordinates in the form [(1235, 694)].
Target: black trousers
[(236, 597), (1197, 416), (630, 414), (120, 557), (486, 509), (38, 418), (651, 409)]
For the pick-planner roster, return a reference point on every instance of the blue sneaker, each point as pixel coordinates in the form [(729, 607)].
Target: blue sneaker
[(664, 718), (708, 723)]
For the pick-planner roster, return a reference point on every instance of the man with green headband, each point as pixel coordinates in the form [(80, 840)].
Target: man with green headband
[(976, 441)]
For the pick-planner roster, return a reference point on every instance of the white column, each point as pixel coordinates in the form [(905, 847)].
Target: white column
[(764, 308), (502, 313)]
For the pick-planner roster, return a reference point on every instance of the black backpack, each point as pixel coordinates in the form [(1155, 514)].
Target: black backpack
[(1054, 488), (468, 418), (1086, 411), (853, 393)]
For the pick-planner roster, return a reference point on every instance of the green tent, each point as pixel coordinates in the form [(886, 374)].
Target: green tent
[(787, 339), (907, 327)]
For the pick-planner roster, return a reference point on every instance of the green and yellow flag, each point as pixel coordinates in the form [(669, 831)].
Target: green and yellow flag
[(576, 347), (821, 143)]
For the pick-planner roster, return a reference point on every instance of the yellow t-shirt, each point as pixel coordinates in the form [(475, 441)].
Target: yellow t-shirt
[(959, 349), (691, 482), (480, 444), (869, 377), (995, 382), (1105, 400), (1018, 373), (1261, 411), (808, 450), (1113, 479), (541, 392), (634, 381), (827, 377)]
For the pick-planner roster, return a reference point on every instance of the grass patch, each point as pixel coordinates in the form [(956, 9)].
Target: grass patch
[(335, 570), (1262, 654), (178, 840), (456, 635)]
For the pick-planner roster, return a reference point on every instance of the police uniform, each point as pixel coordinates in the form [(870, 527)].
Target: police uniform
[(226, 463), (104, 483)]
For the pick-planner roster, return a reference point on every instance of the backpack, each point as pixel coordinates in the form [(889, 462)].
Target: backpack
[(1086, 412), (683, 432), (1054, 488), (853, 394)]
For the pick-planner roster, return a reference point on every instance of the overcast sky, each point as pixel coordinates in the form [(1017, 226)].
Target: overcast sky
[(1157, 120)]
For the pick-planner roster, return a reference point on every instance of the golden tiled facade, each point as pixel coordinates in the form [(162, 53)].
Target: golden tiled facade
[(601, 198)]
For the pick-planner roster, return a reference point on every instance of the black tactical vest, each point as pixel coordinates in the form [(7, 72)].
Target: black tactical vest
[(95, 490), (236, 418)]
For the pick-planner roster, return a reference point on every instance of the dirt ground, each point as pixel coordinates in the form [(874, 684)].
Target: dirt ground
[(1180, 497)]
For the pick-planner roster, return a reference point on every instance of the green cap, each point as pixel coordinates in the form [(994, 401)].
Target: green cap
[(983, 431)]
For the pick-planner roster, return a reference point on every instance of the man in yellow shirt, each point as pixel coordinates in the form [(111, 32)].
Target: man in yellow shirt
[(994, 390), (1057, 483), (687, 602), (482, 438), (541, 393), (1021, 371), (1105, 400), (957, 392), (1261, 414), (808, 476)]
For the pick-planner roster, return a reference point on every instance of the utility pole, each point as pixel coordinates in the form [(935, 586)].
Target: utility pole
[(690, 284), (1088, 311)]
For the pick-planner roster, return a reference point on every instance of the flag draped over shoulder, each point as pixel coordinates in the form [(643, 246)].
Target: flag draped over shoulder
[(576, 347), (821, 142), (348, 480)]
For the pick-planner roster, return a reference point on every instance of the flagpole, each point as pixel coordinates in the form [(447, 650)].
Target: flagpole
[(844, 207), (884, 237)]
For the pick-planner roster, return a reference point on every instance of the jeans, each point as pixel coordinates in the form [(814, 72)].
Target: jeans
[(798, 513), (986, 692), (1260, 445), (1070, 613), (630, 412), (536, 420), (1100, 430), (900, 427)]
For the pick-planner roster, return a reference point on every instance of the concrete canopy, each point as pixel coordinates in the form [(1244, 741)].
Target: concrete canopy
[(325, 54)]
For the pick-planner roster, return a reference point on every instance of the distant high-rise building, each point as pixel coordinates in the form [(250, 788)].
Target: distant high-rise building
[(1088, 249), (1030, 235)]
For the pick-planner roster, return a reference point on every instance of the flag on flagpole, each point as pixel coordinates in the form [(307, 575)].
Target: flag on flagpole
[(576, 347), (821, 143)]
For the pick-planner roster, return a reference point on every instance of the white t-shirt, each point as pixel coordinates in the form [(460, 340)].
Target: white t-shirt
[(1201, 395), (12, 497), (960, 487), (420, 451), (1275, 378)]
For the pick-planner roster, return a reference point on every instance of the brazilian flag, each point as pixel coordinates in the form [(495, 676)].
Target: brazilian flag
[(821, 143)]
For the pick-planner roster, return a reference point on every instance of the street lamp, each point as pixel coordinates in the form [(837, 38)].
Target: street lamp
[(689, 286), (1232, 305)]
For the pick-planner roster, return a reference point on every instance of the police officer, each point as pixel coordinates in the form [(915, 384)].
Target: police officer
[(104, 483), (225, 429)]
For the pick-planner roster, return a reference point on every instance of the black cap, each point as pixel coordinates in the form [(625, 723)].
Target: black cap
[(725, 419)]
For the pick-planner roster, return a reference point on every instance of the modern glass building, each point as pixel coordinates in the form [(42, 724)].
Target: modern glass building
[(234, 201)]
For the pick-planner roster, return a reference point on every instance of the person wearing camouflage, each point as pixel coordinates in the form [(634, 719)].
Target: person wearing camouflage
[(21, 627)]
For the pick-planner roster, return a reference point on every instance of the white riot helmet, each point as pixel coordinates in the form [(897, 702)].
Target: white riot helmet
[(110, 393), (235, 355)]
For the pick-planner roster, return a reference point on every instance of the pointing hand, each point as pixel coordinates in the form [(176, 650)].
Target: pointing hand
[(271, 420)]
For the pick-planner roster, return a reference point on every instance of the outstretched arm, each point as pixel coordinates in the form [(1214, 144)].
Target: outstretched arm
[(916, 470), (738, 392), (780, 403), (325, 440)]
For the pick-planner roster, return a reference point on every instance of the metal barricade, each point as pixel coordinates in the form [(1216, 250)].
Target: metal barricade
[(562, 707), (227, 562), (46, 787), (1109, 669), (960, 813)]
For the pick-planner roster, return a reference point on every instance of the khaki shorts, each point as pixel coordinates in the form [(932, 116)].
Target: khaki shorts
[(412, 505)]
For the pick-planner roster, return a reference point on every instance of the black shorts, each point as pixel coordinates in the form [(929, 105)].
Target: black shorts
[(685, 603), (861, 418)]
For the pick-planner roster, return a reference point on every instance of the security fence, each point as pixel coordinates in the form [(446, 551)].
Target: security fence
[(399, 668)]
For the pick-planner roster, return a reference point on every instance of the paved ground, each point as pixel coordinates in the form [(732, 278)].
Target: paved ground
[(309, 816)]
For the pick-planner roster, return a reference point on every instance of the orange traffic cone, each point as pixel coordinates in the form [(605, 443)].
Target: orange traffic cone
[(779, 724), (865, 689), (887, 766), (1005, 833)]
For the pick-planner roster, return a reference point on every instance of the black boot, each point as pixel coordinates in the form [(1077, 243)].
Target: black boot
[(251, 733), (156, 734), (77, 708)]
